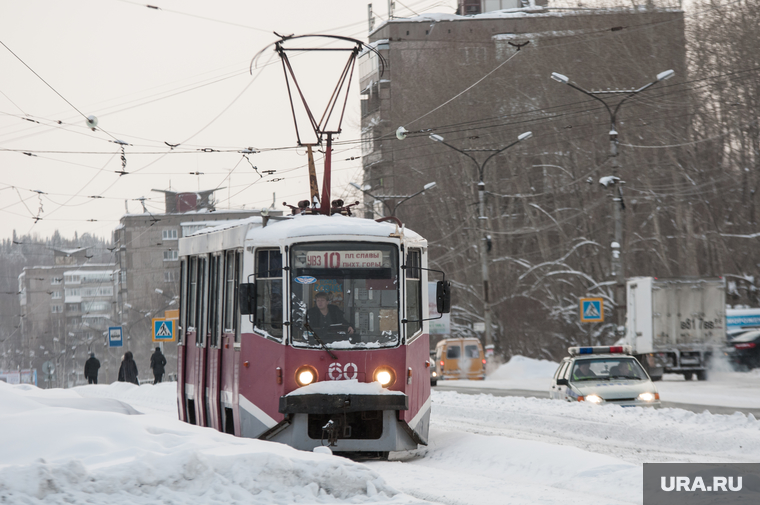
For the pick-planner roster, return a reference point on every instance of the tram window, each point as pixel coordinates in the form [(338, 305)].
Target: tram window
[(413, 292), (200, 334), (231, 276), (269, 292), (215, 282), (183, 302), (344, 294), (192, 293)]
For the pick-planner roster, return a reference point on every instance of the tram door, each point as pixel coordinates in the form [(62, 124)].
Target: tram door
[(187, 367), (213, 352), (181, 341), (201, 341), (229, 342)]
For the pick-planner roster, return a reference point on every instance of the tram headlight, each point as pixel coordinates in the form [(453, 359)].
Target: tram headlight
[(306, 375), (385, 375)]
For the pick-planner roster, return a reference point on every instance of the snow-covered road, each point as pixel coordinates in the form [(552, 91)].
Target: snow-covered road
[(83, 446), (528, 450)]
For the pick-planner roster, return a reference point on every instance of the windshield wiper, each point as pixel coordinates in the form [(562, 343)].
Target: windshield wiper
[(316, 337)]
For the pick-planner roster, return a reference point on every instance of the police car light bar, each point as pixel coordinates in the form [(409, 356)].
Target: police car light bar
[(600, 349)]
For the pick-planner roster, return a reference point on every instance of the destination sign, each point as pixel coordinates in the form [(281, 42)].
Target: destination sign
[(344, 259)]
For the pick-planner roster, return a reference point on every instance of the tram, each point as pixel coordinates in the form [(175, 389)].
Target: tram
[(260, 356)]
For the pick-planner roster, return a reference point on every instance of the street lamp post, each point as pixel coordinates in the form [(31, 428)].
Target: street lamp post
[(613, 183), (483, 225), (384, 198)]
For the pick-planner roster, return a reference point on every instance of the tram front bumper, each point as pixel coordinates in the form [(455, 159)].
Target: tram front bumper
[(341, 403), (345, 422)]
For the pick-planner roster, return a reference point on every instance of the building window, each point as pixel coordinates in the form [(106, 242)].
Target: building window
[(56, 280), (169, 234), (368, 143), (171, 255), (170, 276), (56, 295), (57, 309)]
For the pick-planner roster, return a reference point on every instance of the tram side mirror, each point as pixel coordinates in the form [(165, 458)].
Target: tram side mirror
[(247, 298), (562, 382), (443, 297)]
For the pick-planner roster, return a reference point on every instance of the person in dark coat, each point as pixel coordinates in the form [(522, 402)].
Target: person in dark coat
[(327, 320), (91, 369), (157, 362), (128, 369)]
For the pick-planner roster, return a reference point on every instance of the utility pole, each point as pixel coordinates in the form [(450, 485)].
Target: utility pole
[(613, 183), (485, 245)]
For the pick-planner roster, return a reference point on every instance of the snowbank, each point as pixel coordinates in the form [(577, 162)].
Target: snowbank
[(724, 388), (53, 452)]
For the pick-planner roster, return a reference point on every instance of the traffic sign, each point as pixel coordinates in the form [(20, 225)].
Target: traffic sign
[(115, 336), (592, 310), (163, 330)]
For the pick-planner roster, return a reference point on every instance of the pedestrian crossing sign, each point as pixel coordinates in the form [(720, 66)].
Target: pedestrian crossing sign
[(592, 310), (163, 330)]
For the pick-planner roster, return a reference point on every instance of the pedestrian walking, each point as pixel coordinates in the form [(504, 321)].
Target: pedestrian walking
[(157, 363), (128, 369), (91, 367)]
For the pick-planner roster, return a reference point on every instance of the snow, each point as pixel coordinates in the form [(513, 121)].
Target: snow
[(724, 388), (62, 454), (122, 444), (351, 387)]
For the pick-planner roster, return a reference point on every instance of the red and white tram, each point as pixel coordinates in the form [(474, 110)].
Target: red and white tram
[(256, 359)]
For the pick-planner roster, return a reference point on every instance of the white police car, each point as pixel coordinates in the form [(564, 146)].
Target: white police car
[(603, 375)]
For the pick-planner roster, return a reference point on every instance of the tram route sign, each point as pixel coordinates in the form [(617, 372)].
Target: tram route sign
[(164, 330), (115, 336), (592, 310), (344, 259)]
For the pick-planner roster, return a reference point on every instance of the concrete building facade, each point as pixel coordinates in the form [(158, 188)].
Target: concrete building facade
[(66, 309), (480, 81)]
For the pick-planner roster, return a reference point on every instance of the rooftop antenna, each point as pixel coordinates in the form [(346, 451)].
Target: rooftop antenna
[(142, 201), (329, 123)]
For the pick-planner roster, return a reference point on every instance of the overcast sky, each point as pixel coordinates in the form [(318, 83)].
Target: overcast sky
[(178, 75)]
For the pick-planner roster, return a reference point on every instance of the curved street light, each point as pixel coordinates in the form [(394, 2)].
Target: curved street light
[(384, 198), (612, 182), (484, 228)]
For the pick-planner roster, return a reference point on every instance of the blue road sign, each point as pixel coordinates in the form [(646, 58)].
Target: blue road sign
[(163, 330), (592, 310), (115, 336)]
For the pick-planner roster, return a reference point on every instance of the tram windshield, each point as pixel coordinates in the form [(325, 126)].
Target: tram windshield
[(344, 295)]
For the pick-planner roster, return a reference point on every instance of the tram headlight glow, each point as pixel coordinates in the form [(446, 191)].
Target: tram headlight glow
[(306, 375), (385, 375)]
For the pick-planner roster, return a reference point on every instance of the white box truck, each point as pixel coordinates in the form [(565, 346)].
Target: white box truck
[(675, 325)]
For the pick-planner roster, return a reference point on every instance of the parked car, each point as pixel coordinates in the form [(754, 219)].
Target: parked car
[(744, 350)]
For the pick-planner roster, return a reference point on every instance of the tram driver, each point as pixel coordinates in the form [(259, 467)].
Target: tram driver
[(327, 317)]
